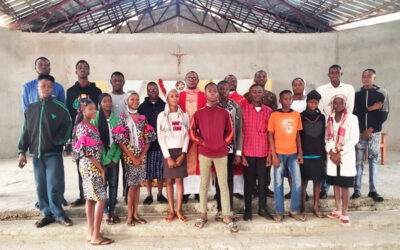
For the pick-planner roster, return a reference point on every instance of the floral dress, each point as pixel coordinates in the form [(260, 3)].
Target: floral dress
[(88, 144), (144, 133)]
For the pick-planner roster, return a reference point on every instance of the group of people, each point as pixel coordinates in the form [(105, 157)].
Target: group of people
[(322, 136)]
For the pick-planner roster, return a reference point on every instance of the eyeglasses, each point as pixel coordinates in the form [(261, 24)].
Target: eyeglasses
[(192, 78)]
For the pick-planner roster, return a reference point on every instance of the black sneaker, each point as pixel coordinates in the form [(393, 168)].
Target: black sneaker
[(323, 195), (247, 216), (288, 195), (238, 196), (185, 198), (197, 197), (356, 195), (161, 199), (148, 200), (64, 202), (78, 202), (375, 196), (264, 213)]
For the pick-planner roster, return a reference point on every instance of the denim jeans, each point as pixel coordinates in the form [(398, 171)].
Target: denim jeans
[(373, 145), (112, 185), (50, 185), (287, 161)]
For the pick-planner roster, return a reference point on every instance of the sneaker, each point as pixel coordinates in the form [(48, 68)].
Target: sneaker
[(78, 202), (356, 195), (148, 200), (287, 196), (238, 196), (197, 197), (161, 199), (323, 195), (247, 216), (185, 198), (375, 196), (270, 193), (64, 202)]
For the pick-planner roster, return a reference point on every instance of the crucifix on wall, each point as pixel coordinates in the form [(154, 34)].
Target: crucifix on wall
[(178, 55)]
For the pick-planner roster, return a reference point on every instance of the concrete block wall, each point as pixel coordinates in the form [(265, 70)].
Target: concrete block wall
[(148, 56)]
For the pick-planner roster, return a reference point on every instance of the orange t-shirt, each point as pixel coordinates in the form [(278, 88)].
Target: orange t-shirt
[(285, 127)]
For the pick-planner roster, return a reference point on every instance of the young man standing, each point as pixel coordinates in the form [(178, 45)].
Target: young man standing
[(284, 137), (81, 89), (213, 139), (119, 106), (191, 100), (327, 91), (235, 146), (47, 126), (372, 108), (151, 107), (30, 92), (256, 158)]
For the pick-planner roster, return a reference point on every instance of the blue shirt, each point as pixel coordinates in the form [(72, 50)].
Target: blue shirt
[(30, 93)]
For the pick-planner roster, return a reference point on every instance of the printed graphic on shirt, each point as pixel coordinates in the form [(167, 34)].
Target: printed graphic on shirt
[(288, 125), (76, 101), (176, 126)]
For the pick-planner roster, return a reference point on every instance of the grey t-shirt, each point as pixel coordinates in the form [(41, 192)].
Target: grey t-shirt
[(118, 102)]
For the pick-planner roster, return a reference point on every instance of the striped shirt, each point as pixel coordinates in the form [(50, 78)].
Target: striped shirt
[(255, 131)]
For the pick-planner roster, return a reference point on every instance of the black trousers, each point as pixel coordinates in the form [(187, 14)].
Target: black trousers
[(255, 171), (80, 181), (231, 158), (124, 185)]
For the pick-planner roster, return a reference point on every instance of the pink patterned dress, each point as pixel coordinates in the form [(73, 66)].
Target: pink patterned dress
[(144, 133)]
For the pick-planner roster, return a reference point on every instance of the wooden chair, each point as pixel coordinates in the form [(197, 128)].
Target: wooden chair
[(383, 149)]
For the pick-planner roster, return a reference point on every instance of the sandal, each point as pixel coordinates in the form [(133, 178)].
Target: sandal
[(109, 219), (181, 217), (200, 223), (297, 216), (139, 220), (115, 219), (319, 214), (170, 217), (44, 221), (130, 223), (334, 214), (233, 227), (344, 220), (104, 241), (235, 217), (218, 216), (278, 218)]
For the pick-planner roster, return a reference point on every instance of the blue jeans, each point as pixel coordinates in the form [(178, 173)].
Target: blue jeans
[(373, 145), (50, 185), (112, 185), (287, 161)]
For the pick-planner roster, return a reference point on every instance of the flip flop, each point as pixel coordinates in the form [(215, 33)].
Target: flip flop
[(334, 214), (104, 241), (130, 223), (200, 223), (297, 216), (319, 214), (140, 220), (169, 218), (182, 218), (44, 221), (233, 227), (278, 218), (115, 219), (344, 220)]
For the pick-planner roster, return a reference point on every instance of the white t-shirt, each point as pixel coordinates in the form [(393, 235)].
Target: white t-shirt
[(118, 102)]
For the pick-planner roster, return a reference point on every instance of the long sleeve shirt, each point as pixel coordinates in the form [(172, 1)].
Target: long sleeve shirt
[(375, 118), (255, 131), (327, 91), (30, 93), (178, 137), (212, 128), (348, 153)]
